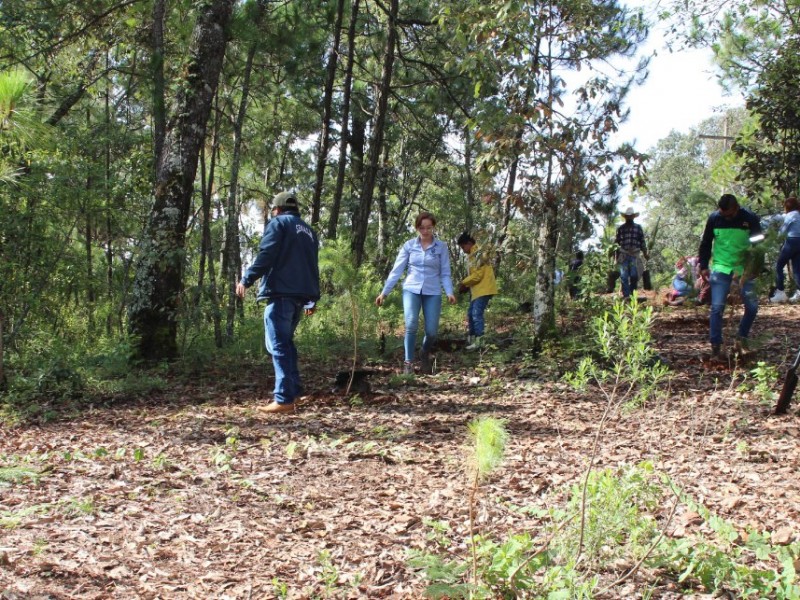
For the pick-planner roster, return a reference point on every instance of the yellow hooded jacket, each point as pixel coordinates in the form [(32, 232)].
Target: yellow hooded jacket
[(480, 279)]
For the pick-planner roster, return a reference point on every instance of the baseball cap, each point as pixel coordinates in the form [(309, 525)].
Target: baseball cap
[(285, 200)]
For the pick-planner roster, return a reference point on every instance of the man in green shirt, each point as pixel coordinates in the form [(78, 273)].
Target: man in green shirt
[(725, 242)]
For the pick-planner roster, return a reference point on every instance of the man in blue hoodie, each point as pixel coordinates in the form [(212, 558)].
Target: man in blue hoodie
[(287, 264)]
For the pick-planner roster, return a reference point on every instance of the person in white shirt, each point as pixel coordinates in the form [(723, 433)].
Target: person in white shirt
[(790, 252)]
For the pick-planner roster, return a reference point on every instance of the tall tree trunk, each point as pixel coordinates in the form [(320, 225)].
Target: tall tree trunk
[(2, 350), (109, 253), (544, 313), (469, 188), (207, 186), (90, 295), (87, 244), (507, 203), (158, 282), (327, 110), (207, 247), (333, 221), (544, 319), (383, 213), (376, 142), (83, 83), (232, 224), (157, 69)]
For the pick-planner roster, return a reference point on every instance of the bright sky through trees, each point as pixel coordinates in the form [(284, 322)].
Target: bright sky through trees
[(681, 91)]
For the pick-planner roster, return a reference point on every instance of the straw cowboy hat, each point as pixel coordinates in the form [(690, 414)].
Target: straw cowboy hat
[(629, 212)]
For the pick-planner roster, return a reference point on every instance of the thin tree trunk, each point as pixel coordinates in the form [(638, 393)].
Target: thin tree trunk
[(507, 202), (383, 213), (158, 282), (69, 101), (470, 189), (358, 144), (109, 254), (376, 142), (333, 221), (327, 111), (89, 233), (207, 249), (207, 183), (544, 318), (90, 297), (157, 69), (233, 209), (2, 350)]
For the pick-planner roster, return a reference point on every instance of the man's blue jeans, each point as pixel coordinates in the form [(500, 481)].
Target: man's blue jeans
[(790, 252), (628, 275), (431, 309), (280, 321), (720, 286), (475, 314)]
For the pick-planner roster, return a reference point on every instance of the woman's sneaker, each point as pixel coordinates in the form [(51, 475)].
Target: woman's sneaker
[(795, 297), (779, 297)]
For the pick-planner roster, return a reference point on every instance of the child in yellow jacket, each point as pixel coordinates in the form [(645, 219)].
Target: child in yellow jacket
[(481, 283)]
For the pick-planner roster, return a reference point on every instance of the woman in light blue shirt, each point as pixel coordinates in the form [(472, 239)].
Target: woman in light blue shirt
[(790, 252), (427, 262)]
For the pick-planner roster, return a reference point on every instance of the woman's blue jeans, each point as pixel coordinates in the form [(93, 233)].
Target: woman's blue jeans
[(281, 317), (431, 309), (475, 315), (720, 287), (790, 252)]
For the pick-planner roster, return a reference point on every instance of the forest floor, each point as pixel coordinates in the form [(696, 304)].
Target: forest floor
[(191, 493)]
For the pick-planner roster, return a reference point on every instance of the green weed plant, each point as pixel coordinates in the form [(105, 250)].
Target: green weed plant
[(623, 355), (625, 525), (764, 381)]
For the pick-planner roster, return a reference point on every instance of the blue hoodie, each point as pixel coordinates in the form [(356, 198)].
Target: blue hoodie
[(287, 260)]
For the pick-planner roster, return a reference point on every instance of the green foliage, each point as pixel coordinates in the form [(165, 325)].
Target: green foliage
[(18, 474), (742, 34), (18, 125), (771, 154), (623, 526), (52, 377), (726, 562), (446, 576), (765, 377), (686, 175), (624, 354), (594, 272), (489, 437), (620, 516), (347, 306)]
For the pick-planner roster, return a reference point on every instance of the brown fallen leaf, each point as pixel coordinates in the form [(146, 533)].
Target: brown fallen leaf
[(782, 536)]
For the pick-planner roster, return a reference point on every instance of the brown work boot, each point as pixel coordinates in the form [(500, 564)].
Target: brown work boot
[(275, 408), (716, 352)]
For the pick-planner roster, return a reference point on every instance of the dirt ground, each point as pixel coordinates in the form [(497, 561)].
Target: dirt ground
[(192, 494)]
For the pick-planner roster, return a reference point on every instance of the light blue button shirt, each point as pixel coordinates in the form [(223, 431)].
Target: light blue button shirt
[(791, 224), (428, 269)]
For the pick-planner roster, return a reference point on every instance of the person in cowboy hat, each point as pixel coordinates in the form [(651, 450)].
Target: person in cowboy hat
[(630, 247)]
